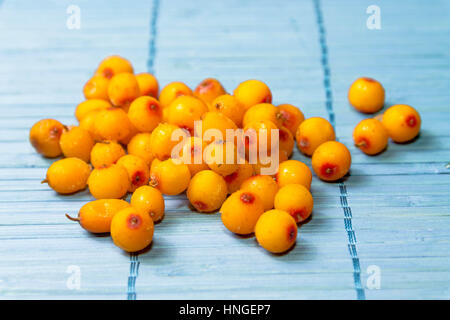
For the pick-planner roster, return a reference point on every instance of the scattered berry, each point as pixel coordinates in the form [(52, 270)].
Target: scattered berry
[(140, 146), (258, 135), (262, 111), (76, 142), (184, 110), (366, 95), (96, 88), (44, 137), (161, 142), (207, 191), (264, 187), (216, 121), (296, 200), (148, 84), (293, 171), (276, 231), (112, 124), (229, 106), (312, 132), (402, 122), (221, 157), (88, 124), (145, 113), (172, 91), (252, 92), (170, 178), (149, 200), (68, 175), (123, 89), (138, 170), (208, 90), (109, 182), (290, 117), (85, 107), (106, 153), (113, 65), (331, 161), (370, 136)]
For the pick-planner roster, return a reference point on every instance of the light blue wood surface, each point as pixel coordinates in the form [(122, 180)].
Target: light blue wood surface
[(399, 199)]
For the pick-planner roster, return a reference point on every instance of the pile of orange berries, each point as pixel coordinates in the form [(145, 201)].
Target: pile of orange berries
[(124, 144)]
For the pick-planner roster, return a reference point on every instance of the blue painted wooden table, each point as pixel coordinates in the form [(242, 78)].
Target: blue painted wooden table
[(391, 216)]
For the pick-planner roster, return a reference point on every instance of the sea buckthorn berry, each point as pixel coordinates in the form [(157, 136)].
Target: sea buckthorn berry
[(140, 146), (184, 110), (44, 137), (96, 216), (402, 122), (161, 142), (88, 124), (112, 124), (370, 136), (296, 200), (262, 111), (172, 91), (290, 117), (145, 113), (150, 201), (138, 170), (221, 157), (133, 131), (252, 92), (286, 141), (234, 180), (148, 84), (68, 175), (264, 187), (96, 88), (106, 153), (207, 191), (258, 135), (312, 132), (366, 95), (112, 65), (241, 211), (85, 107), (123, 89), (276, 231), (229, 106), (109, 182), (218, 121), (293, 171), (76, 142), (132, 230), (170, 178), (331, 161), (208, 90), (192, 155)]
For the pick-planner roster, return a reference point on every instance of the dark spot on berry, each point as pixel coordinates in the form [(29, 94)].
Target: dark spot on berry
[(138, 178), (369, 79), (55, 132), (247, 198), (298, 214), (411, 121), (200, 205), (362, 143), (283, 135), (304, 142), (328, 169), (218, 106), (108, 73), (153, 106), (231, 177), (291, 233), (267, 99), (134, 221)]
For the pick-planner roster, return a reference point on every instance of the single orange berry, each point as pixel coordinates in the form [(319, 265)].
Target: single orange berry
[(138, 171), (208, 90), (229, 106), (262, 111), (293, 171), (241, 211), (148, 84), (44, 137), (76, 142), (123, 89), (132, 230), (149, 200), (258, 136), (96, 88), (290, 117), (112, 124), (106, 153), (113, 65), (109, 182), (170, 178), (162, 142), (331, 161), (88, 124), (370, 136), (296, 200), (145, 113), (172, 91), (366, 95), (234, 180), (140, 146), (87, 106), (184, 110), (312, 132), (276, 231), (215, 122), (263, 186), (221, 157), (252, 92), (207, 191), (402, 122), (192, 155), (68, 175)]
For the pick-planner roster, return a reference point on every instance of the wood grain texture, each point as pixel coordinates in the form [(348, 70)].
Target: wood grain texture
[(399, 199)]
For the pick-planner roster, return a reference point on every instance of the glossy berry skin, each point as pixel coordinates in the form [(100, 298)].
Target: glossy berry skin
[(113, 65), (296, 200), (109, 182), (112, 124), (252, 92), (262, 111), (76, 142), (402, 122), (106, 153), (161, 142), (132, 230), (208, 90), (88, 123), (287, 142), (140, 146), (366, 95), (150, 201), (184, 110), (221, 157), (192, 155), (370, 136), (148, 84), (241, 211), (172, 91), (44, 137), (331, 161), (145, 113), (96, 88), (276, 231), (170, 178), (312, 133), (90, 105), (207, 191), (235, 180), (293, 171), (259, 135), (216, 121), (133, 131), (264, 187), (96, 216), (229, 106), (68, 175), (123, 88), (138, 171), (290, 117)]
